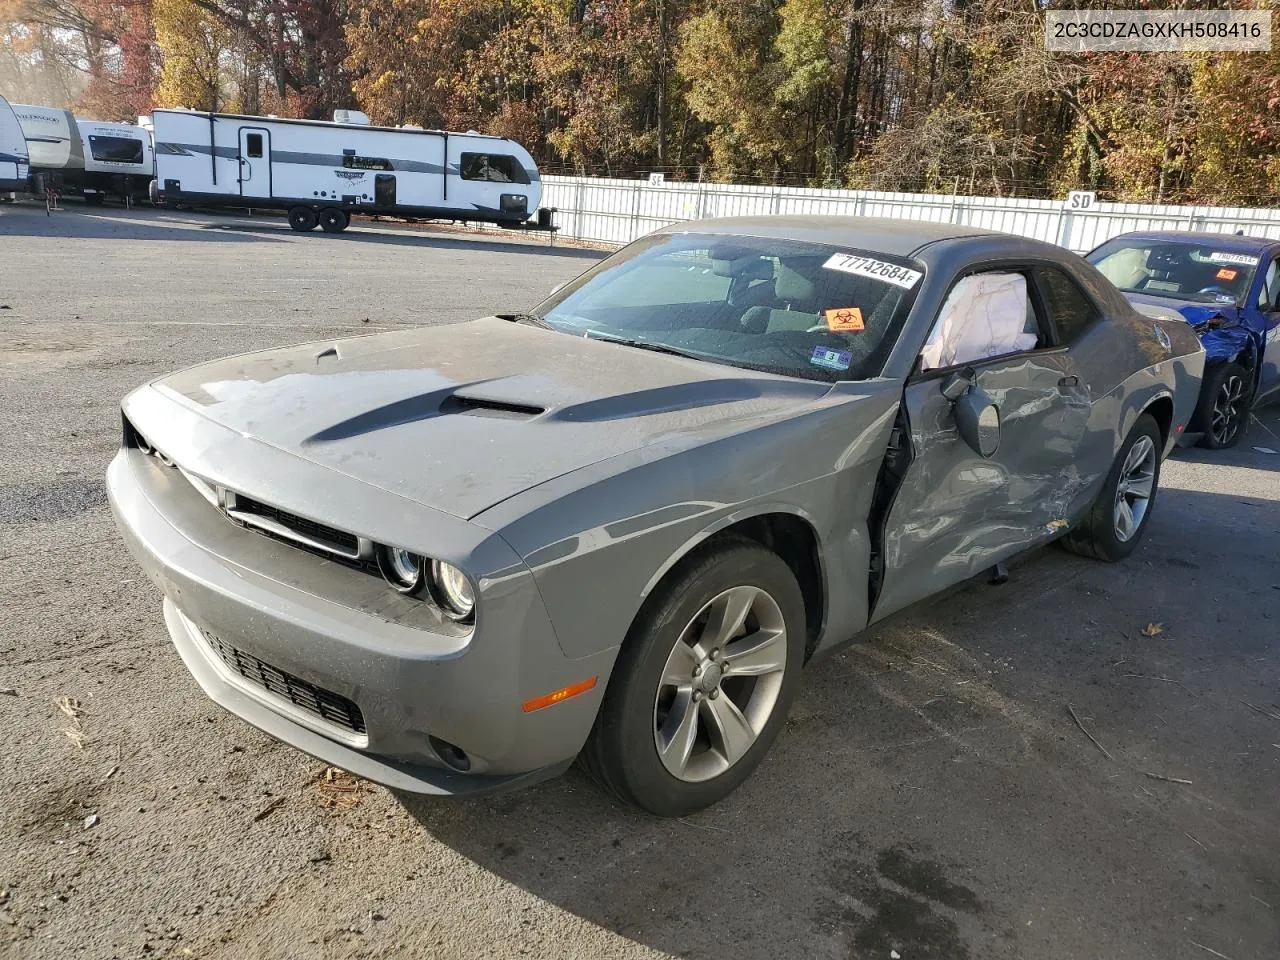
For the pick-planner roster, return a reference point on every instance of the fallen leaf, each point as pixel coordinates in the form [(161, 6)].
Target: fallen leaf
[(1153, 629), (91, 821)]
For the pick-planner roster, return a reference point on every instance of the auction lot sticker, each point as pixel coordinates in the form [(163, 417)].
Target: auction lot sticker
[(875, 269), (1221, 256)]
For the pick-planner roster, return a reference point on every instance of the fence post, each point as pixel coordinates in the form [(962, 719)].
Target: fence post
[(1191, 218), (955, 189), (1058, 237), (635, 210), (775, 201), (577, 210)]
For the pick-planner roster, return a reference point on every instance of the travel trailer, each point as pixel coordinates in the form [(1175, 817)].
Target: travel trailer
[(14, 160), (88, 157), (321, 172), (118, 160), (53, 141)]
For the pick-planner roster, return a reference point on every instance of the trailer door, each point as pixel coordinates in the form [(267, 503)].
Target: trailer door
[(255, 162)]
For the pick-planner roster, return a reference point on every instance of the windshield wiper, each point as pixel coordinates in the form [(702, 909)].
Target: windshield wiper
[(530, 318), (650, 345)]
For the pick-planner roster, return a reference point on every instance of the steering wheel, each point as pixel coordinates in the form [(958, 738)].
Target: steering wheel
[(1215, 289)]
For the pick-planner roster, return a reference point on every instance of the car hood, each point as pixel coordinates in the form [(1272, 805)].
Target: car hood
[(461, 417), (1170, 309)]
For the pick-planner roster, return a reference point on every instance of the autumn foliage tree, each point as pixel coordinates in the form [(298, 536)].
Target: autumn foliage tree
[(887, 94)]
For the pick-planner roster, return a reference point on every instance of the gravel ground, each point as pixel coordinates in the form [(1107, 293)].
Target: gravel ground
[(931, 795)]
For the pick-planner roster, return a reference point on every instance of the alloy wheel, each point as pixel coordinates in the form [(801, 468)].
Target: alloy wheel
[(1225, 422), (1135, 489), (720, 684)]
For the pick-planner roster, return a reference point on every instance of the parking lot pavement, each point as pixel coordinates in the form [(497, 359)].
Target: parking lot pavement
[(932, 794)]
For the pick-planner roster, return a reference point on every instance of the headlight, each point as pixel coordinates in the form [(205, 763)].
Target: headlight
[(402, 569), (452, 590)]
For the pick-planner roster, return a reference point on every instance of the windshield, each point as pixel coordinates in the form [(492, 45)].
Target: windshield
[(1196, 272), (801, 309)]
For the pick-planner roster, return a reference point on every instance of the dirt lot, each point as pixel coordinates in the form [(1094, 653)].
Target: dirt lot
[(932, 795)]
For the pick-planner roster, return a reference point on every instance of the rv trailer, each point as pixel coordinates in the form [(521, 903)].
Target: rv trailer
[(321, 172), (53, 141), (118, 160), (14, 160)]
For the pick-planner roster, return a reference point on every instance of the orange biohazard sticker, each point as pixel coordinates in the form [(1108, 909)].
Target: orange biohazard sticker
[(1227, 273), (845, 320)]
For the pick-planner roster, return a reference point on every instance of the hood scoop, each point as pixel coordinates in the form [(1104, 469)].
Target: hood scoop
[(425, 406), (488, 407)]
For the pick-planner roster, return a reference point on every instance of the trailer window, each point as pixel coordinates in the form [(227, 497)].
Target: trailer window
[(366, 163), (253, 144), (116, 149), (494, 167)]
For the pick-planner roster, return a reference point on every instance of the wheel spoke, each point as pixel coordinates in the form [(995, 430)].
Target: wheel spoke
[(759, 653), (677, 736), (731, 734), (1124, 518), (1139, 484), (679, 669), (727, 617)]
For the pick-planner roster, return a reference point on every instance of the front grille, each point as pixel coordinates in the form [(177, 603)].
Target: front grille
[(325, 704), (310, 532)]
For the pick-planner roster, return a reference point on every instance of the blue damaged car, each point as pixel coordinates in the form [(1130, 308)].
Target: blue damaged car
[(1228, 288)]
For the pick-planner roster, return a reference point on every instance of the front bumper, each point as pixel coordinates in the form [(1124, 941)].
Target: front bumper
[(303, 615)]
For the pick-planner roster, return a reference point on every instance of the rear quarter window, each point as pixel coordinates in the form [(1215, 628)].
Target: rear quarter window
[(1070, 310)]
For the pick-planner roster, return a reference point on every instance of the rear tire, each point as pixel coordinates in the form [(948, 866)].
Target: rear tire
[(704, 681), (1111, 529), (1226, 397), (334, 220), (302, 219)]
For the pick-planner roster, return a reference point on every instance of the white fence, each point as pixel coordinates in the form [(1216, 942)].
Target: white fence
[(619, 211)]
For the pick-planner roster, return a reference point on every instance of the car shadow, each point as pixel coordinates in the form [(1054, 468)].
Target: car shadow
[(931, 793), (1258, 448)]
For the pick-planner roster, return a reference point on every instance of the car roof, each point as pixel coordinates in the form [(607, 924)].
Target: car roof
[(881, 234), (1223, 241)]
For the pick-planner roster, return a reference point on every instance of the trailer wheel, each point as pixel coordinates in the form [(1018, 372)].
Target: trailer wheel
[(302, 219), (334, 220)]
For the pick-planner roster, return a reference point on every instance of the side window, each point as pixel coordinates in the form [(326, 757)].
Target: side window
[(986, 315), (1070, 310), (492, 167), (1269, 295), (253, 145)]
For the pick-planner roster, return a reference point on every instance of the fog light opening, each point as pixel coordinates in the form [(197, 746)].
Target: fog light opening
[(455, 757)]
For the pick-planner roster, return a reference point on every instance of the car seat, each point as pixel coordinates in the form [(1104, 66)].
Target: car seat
[(798, 296)]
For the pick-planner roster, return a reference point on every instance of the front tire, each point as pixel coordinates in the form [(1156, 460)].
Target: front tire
[(302, 219), (1116, 522), (1223, 412), (704, 681)]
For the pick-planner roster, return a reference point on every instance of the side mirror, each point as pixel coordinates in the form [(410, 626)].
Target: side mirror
[(978, 420)]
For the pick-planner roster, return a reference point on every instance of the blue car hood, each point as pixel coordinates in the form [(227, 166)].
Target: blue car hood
[(1226, 342)]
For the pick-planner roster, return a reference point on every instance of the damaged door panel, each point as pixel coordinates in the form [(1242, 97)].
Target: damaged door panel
[(955, 513)]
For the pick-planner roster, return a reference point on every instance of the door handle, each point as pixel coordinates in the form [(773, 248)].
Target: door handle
[(1068, 382)]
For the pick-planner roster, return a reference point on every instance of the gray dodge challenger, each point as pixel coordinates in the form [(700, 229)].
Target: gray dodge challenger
[(617, 527)]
